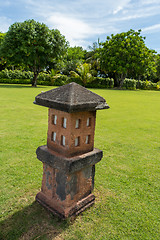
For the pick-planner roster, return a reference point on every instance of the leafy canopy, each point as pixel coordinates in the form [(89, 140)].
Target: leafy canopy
[(83, 73), (33, 44), (126, 55)]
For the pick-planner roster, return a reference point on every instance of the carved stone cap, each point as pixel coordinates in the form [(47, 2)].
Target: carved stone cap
[(71, 98), (68, 165)]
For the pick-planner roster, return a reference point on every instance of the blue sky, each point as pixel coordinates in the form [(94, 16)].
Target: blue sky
[(82, 22)]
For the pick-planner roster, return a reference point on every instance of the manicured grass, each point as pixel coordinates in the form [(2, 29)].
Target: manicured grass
[(127, 182)]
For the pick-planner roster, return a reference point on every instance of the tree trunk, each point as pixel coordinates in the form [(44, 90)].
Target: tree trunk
[(123, 76), (121, 82), (34, 81), (116, 84), (36, 71), (138, 81)]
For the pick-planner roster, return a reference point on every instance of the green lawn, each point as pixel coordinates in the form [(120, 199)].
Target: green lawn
[(127, 182)]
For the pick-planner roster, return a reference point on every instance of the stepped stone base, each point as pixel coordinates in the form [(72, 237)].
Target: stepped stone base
[(67, 183), (63, 213)]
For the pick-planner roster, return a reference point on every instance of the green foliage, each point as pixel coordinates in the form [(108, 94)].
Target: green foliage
[(147, 85), (16, 81), (92, 57), (132, 84), (60, 80), (158, 66), (16, 74), (125, 55), (1, 37), (33, 44), (74, 57), (2, 60), (75, 53), (83, 73), (44, 76), (99, 82), (56, 79), (129, 84)]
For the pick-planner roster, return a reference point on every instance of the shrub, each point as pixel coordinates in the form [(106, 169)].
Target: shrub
[(152, 86), (44, 79), (15, 74), (15, 81), (59, 80), (5, 74), (99, 82), (129, 84), (146, 85), (141, 84), (25, 77)]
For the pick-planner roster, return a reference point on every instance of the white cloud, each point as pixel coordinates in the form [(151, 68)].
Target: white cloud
[(82, 21), (151, 29), (137, 11), (4, 24), (78, 20), (117, 10), (75, 30), (147, 2)]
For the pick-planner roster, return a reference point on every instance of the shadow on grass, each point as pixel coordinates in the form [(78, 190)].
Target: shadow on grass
[(32, 222), (19, 86)]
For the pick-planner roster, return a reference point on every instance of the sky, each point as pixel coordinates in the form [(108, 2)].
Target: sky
[(83, 22)]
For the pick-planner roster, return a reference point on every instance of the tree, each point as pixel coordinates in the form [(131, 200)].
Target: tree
[(92, 57), (74, 57), (1, 37), (125, 55), (2, 61), (33, 44), (83, 73), (158, 67)]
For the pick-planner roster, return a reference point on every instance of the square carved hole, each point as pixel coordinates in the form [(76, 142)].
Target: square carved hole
[(53, 137), (54, 119), (88, 139), (64, 122), (78, 122), (77, 141), (88, 122), (63, 140)]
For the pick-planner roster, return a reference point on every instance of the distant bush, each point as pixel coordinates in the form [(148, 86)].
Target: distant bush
[(15, 74), (59, 80), (146, 85), (15, 81), (25, 77), (129, 84), (99, 82), (76, 80), (133, 84), (44, 79)]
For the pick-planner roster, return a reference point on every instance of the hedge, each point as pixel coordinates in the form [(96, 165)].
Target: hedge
[(133, 84), (129, 84), (25, 77), (15, 81), (59, 80), (99, 82), (147, 85), (15, 74)]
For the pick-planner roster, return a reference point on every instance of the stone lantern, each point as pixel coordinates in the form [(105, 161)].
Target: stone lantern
[(69, 157)]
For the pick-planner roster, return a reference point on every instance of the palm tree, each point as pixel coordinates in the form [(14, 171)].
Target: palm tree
[(83, 73), (92, 57)]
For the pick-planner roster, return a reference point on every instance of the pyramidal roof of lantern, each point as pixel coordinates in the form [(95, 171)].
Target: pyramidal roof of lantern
[(71, 97)]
